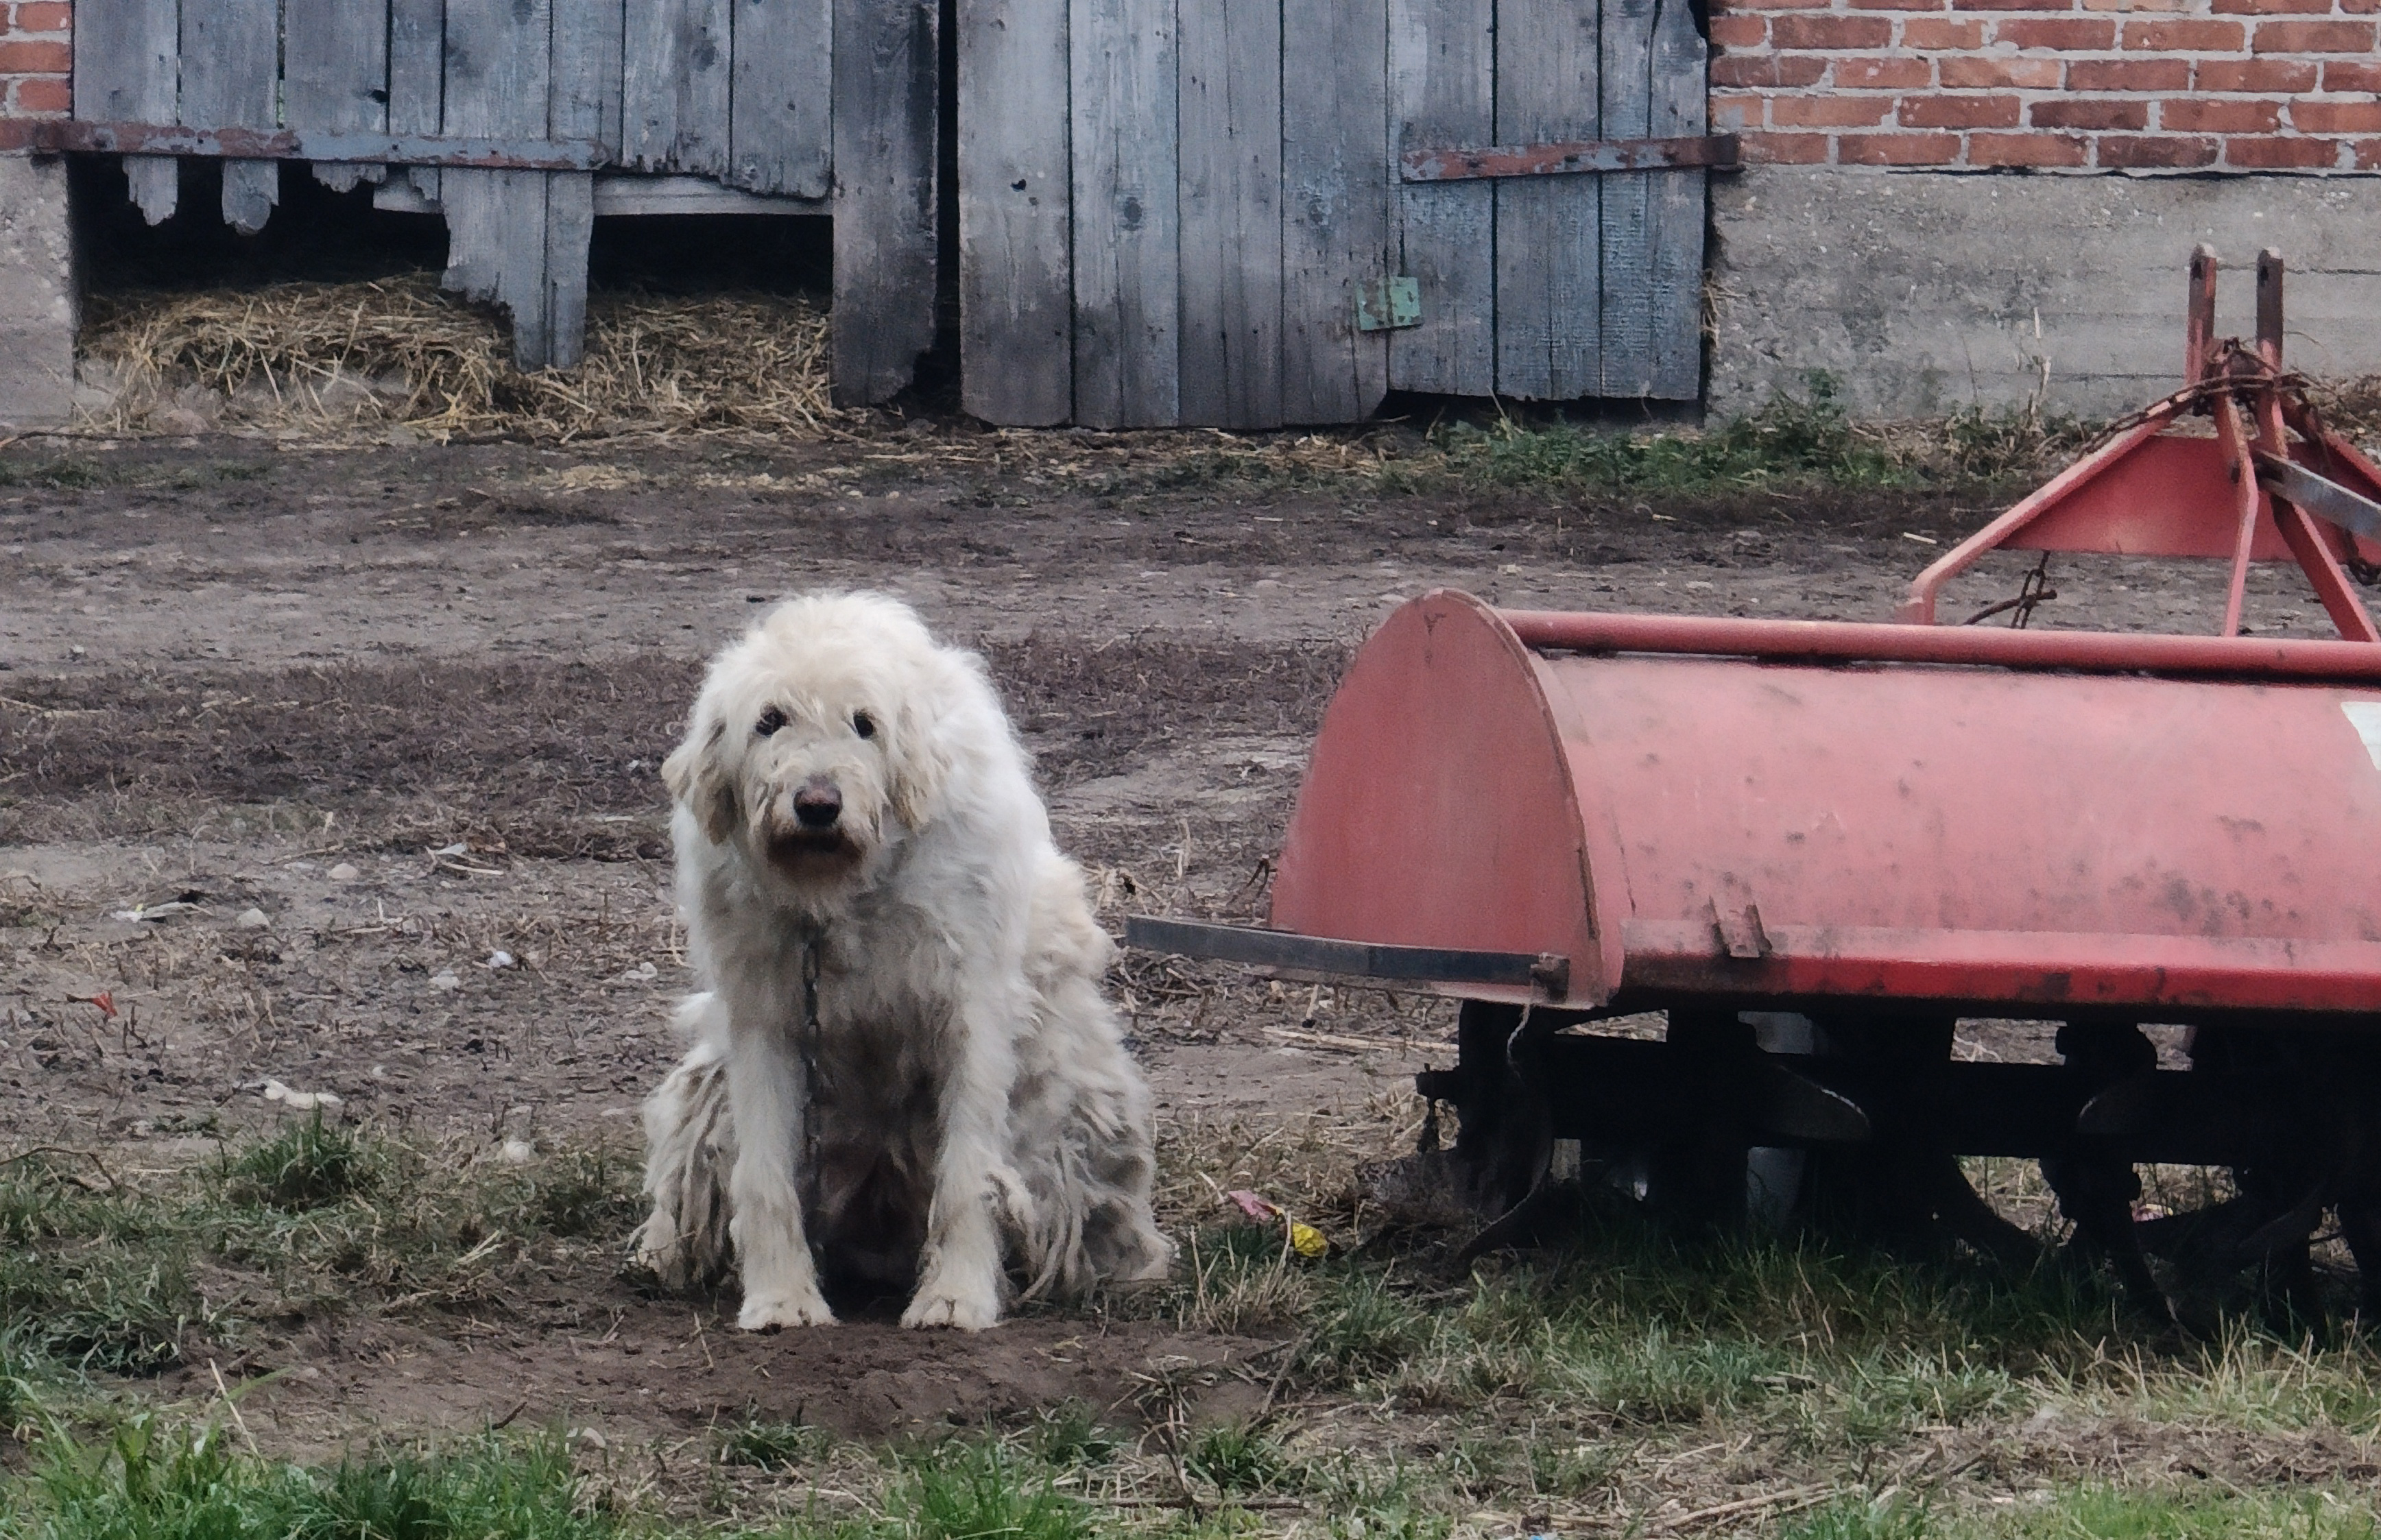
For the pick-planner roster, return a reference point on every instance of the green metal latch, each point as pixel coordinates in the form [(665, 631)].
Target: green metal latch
[(1388, 303)]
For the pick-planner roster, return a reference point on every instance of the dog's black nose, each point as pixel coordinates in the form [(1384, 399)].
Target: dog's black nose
[(817, 807)]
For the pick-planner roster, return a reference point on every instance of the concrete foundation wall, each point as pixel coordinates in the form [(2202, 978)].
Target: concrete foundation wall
[(1925, 291), (38, 294)]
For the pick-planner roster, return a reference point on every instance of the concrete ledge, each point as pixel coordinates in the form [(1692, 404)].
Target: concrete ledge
[(1926, 291), (38, 299)]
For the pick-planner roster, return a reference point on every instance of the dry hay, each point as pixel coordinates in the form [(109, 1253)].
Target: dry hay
[(312, 360)]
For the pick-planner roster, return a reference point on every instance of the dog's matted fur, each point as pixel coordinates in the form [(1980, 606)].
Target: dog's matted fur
[(903, 1057)]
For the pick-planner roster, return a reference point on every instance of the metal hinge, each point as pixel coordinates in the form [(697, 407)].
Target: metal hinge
[(1387, 305)]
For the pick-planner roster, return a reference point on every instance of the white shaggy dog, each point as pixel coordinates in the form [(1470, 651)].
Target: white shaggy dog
[(904, 1060)]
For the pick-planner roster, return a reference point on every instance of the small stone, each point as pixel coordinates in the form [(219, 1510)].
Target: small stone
[(445, 978), (251, 919), (517, 1151), (345, 871), (500, 959)]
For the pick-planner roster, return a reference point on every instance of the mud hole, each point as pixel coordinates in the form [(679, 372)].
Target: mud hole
[(292, 745)]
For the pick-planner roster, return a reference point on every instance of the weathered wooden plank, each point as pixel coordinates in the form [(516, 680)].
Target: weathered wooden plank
[(1016, 362), (126, 58), (1626, 303), (1335, 216), (886, 106), (1548, 251), (334, 76), (1230, 113), (569, 227), (1675, 213), (780, 132), (499, 80), (1127, 261), (675, 84), (417, 78), (231, 78), (584, 101), (1442, 91)]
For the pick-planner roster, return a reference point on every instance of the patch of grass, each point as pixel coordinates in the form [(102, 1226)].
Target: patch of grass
[(983, 1492), (151, 1479), (309, 1163), (1235, 1456), (773, 1446), (99, 1276), (1071, 1434), (2102, 1513)]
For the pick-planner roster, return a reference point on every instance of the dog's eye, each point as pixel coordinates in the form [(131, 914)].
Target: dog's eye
[(864, 724), (771, 720)]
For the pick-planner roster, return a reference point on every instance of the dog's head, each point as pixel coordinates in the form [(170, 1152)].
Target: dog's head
[(813, 749)]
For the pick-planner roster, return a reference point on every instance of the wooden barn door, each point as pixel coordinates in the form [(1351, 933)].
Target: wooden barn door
[(1540, 271), (1247, 213)]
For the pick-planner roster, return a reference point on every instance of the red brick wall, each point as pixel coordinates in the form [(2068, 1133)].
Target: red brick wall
[(35, 59), (2132, 85)]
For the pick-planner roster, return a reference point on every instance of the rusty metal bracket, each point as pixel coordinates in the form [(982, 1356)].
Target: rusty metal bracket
[(1570, 158), (307, 145), (1309, 954)]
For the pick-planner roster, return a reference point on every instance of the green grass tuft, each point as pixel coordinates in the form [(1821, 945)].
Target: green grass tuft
[(308, 1164), (983, 1492)]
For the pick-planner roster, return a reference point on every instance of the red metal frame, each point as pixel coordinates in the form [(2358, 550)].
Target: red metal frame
[(2154, 491)]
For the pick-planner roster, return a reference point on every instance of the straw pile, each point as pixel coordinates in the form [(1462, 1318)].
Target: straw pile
[(360, 358)]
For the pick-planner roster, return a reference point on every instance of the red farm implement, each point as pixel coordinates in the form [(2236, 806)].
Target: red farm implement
[(1818, 847)]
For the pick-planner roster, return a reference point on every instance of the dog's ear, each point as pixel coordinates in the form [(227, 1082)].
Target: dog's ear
[(918, 767), (696, 777)]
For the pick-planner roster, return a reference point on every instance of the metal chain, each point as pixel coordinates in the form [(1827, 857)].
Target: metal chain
[(813, 940)]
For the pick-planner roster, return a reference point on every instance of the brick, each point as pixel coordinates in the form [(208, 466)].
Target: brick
[(2025, 150), (2358, 7), (44, 96), (43, 16), (1729, 113), (1854, 74), (1768, 69), (2186, 37), (2218, 115), (2162, 152), (2278, 153), (1958, 112), (2314, 37), (1985, 73), (1897, 149), (1941, 33), (2137, 5), (1830, 31), (1830, 112), (2129, 75), (1786, 149), (2088, 113), (1778, 4), (2279, 77), (2074, 35), (1897, 5), (2271, 8), (2335, 118), (26, 56), (1739, 31), (2002, 6), (2368, 154), (2339, 75)]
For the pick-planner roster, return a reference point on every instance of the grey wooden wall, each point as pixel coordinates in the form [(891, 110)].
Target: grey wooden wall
[(755, 95), (1168, 207)]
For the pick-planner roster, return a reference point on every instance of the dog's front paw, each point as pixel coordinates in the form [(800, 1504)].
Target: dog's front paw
[(945, 1303), (786, 1307)]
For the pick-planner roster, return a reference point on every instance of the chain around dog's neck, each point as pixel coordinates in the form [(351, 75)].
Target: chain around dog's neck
[(813, 941)]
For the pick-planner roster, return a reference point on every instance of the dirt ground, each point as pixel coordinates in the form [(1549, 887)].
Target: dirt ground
[(294, 744)]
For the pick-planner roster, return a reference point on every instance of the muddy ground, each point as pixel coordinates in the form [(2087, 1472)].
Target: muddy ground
[(293, 743)]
